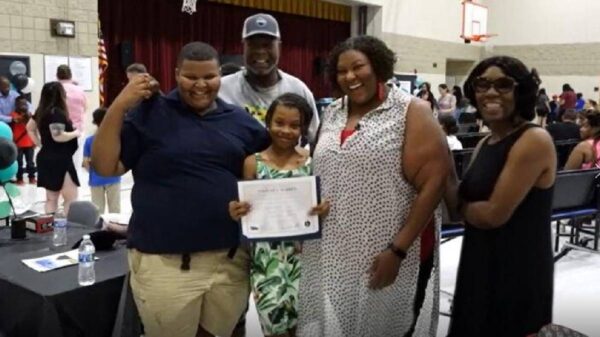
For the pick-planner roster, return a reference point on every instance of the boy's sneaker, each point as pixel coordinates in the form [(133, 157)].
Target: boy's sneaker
[(20, 182), (32, 180)]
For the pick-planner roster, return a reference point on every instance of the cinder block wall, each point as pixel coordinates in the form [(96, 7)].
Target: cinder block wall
[(25, 27)]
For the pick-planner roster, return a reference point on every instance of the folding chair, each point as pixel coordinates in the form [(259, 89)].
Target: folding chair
[(576, 196), (83, 213), (553, 330), (450, 230), (468, 127), (470, 140), (462, 158), (563, 150)]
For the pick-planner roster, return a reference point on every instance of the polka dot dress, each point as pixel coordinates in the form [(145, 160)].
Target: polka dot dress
[(370, 201)]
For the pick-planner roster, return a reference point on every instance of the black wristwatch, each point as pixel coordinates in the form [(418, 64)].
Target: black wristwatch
[(401, 254)]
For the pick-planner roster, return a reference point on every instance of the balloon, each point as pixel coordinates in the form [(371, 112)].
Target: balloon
[(29, 87), (8, 152), (20, 81), (5, 131), (17, 67), (8, 173)]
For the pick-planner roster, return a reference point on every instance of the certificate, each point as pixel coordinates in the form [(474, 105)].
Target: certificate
[(279, 208)]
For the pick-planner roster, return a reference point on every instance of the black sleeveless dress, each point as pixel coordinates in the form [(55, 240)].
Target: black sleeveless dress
[(55, 159), (504, 285)]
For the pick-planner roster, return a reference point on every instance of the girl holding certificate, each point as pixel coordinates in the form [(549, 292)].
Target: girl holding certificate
[(275, 267)]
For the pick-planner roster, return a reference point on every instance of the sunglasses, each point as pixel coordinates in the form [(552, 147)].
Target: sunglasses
[(502, 85)]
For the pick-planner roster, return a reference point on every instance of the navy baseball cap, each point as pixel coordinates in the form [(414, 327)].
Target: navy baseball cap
[(261, 24)]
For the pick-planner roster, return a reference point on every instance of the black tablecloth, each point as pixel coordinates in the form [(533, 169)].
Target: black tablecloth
[(52, 303)]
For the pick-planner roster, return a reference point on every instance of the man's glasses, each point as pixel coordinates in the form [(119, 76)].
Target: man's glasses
[(502, 85)]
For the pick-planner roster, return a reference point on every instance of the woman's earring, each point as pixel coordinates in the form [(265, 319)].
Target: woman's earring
[(381, 91)]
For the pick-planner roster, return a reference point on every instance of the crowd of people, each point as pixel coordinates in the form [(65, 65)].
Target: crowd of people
[(384, 163), (550, 111)]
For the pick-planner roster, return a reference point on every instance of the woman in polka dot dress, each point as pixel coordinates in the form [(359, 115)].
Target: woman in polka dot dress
[(383, 162)]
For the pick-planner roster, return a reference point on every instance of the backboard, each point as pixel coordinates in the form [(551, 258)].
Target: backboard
[(475, 20)]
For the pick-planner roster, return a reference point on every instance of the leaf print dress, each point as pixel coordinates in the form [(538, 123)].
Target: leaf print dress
[(275, 268)]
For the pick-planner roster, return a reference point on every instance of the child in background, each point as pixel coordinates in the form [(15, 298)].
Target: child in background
[(24, 143), (287, 120), (450, 127), (105, 190)]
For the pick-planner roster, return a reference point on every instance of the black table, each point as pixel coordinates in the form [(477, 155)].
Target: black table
[(50, 304)]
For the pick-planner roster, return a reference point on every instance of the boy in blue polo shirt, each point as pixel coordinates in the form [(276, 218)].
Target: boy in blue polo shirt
[(105, 190)]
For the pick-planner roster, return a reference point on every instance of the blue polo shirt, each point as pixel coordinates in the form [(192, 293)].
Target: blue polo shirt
[(185, 169), (94, 178)]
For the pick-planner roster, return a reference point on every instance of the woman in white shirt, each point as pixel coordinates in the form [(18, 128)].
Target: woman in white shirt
[(448, 123)]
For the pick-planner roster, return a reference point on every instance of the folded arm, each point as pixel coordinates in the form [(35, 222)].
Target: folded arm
[(531, 162)]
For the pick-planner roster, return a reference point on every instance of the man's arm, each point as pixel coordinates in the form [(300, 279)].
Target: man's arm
[(5, 118)]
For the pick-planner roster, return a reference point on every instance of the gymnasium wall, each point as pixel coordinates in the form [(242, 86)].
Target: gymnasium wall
[(561, 39), (25, 31), (535, 22), (426, 34), (577, 64)]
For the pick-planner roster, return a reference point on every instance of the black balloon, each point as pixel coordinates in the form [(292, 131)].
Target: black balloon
[(8, 153), (20, 81)]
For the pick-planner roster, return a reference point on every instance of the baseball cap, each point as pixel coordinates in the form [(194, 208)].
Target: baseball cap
[(260, 24)]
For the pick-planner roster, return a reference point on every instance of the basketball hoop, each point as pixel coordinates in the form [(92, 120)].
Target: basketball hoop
[(479, 37), (189, 6), (474, 22)]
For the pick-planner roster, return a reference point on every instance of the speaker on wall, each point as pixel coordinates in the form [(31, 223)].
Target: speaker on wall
[(126, 53)]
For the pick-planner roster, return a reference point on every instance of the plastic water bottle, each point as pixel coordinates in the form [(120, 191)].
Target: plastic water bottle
[(59, 236), (87, 275)]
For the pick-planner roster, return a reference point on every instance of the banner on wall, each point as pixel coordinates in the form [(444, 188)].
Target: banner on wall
[(51, 63), (81, 68)]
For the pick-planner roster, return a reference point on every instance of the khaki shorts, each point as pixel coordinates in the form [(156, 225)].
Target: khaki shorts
[(173, 302)]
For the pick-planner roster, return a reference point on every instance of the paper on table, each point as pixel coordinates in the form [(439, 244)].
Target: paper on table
[(115, 222), (55, 261), (116, 218), (280, 207)]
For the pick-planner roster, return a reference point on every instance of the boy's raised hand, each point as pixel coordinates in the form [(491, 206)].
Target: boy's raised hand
[(142, 86)]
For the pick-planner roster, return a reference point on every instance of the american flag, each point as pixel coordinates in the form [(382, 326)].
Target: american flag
[(102, 65)]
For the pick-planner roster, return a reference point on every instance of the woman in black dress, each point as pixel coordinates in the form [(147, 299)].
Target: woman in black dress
[(505, 275), (56, 171)]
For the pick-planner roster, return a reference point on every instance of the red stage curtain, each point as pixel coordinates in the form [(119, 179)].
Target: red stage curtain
[(157, 30)]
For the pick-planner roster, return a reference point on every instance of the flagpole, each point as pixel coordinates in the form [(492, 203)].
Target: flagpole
[(102, 65)]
